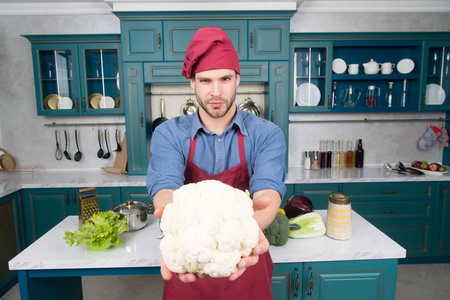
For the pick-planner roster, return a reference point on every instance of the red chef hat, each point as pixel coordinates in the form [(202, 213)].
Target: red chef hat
[(209, 49)]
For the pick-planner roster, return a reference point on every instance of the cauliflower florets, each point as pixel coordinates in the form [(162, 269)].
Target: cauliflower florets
[(207, 229)]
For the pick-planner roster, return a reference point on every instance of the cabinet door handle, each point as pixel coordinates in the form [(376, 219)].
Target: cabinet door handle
[(297, 283), (389, 192), (74, 198), (67, 198), (329, 101), (251, 39), (159, 40), (272, 116), (424, 101), (84, 105), (310, 282), (141, 120), (388, 211)]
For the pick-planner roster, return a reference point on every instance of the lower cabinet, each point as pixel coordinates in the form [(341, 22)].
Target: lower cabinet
[(442, 224), (350, 280), (44, 208), (319, 193), (137, 193)]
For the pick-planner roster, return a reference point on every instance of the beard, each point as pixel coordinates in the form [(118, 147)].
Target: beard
[(217, 107)]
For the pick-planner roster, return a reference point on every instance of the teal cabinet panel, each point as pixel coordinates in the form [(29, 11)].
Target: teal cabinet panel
[(286, 280), (413, 235), (141, 40), (390, 191), (269, 39), (353, 280), (73, 72), (319, 194), (45, 208), (178, 34), (170, 72), (135, 118), (137, 193), (395, 209), (442, 224)]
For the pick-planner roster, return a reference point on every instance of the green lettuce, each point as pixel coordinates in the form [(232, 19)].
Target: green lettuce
[(100, 232)]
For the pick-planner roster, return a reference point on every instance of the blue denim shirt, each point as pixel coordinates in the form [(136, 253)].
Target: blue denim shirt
[(263, 142)]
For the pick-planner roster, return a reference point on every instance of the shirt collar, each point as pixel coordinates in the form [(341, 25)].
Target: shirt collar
[(238, 120)]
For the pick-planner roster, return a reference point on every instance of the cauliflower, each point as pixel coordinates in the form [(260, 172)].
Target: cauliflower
[(207, 229)]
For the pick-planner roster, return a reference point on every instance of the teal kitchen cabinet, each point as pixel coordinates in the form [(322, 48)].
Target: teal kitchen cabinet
[(436, 75), (44, 208), (268, 39), (136, 193), (352, 280), (318, 193), (12, 238), (442, 224), (141, 41), (403, 211), (77, 74), (311, 76)]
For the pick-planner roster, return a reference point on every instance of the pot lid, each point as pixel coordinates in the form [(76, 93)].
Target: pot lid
[(131, 207)]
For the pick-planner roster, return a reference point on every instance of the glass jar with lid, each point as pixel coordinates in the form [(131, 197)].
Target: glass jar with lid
[(339, 217)]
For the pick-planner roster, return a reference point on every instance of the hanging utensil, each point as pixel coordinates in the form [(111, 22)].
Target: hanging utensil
[(161, 119), (107, 154), (249, 106), (189, 108), (66, 154), (58, 152), (78, 155), (119, 148), (100, 151)]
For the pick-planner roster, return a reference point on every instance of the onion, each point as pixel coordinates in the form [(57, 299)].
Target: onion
[(298, 205)]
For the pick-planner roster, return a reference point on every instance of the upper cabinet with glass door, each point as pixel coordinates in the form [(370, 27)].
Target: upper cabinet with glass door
[(436, 74), (77, 75), (311, 75)]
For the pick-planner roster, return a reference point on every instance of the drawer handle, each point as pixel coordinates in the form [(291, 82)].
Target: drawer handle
[(310, 282), (251, 39), (74, 198), (67, 198), (297, 284), (388, 211), (159, 41), (389, 192)]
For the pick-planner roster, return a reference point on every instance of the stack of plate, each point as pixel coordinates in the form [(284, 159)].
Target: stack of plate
[(51, 101), (94, 100)]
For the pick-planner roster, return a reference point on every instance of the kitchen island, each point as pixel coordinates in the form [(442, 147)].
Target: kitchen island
[(50, 269)]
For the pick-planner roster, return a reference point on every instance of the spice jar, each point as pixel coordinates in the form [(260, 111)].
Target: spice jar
[(339, 217)]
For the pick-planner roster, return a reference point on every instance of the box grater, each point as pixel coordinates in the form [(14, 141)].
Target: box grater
[(87, 204)]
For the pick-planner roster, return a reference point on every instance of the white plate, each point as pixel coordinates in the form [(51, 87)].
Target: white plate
[(435, 94), (65, 103), (339, 66), (307, 95), (427, 172), (405, 66), (106, 102)]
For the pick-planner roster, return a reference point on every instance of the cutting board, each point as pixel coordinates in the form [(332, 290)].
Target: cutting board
[(120, 164)]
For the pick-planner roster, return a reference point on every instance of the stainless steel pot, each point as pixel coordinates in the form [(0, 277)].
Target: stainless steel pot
[(190, 107), (135, 212), (250, 106)]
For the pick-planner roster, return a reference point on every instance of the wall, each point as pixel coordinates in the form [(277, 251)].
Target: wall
[(23, 134), (383, 141)]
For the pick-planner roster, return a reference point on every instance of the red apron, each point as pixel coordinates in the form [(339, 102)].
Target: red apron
[(255, 282)]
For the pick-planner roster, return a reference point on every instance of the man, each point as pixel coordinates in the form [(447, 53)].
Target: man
[(223, 143)]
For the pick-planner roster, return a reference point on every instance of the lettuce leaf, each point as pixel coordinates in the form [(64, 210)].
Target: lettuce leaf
[(100, 232)]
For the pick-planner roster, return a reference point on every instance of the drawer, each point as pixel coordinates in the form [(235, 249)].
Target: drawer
[(395, 210), (390, 191)]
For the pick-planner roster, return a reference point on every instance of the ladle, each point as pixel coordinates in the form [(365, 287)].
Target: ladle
[(66, 154), (100, 151), (78, 155), (119, 148), (107, 154)]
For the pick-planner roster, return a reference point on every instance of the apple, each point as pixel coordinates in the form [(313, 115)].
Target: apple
[(416, 164), (442, 169), (434, 167), (424, 165)]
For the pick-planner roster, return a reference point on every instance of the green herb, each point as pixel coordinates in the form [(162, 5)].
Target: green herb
[(100, 232)]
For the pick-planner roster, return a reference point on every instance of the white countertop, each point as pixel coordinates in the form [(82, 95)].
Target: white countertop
[(11, 182), (141, 248)]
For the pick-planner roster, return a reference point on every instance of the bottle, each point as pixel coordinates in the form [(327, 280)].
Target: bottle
[(307, 161), (389, 97), (349, 155), (329, 154), (323, 155), (334, 100), (339, 215), (335, 155), (359, 155), (341, 154), (315, 165)]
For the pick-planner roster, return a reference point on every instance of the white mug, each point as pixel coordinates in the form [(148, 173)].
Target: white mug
[(353, 69), (387, 68)]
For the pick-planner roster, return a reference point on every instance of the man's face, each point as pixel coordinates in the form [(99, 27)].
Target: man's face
[(216, 91)]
